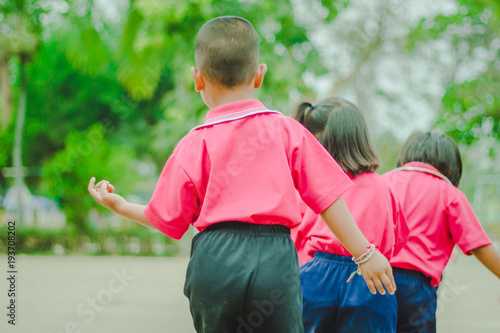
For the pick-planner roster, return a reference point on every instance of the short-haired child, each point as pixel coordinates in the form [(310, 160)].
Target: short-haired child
[(438, 216), (237, 178), (330, 303)]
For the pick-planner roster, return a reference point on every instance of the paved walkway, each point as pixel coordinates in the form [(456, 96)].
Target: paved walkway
[(139, 294)]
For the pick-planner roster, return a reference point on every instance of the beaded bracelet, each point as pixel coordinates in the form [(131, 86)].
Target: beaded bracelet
[(368, 252), (354, 258), (362, 258), (365, 258)]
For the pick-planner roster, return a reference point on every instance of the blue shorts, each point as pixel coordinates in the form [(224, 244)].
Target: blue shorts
[(417, 302), (332, 305)]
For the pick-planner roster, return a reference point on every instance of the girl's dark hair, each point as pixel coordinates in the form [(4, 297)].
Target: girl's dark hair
[(341, 129), (436, 149)]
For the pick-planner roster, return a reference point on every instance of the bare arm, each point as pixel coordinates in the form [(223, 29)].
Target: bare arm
[(103, 194), (376, 271), (339, 220), (133, 212), (489, 257)]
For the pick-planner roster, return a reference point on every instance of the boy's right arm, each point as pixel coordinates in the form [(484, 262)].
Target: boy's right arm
[(103, 194), (377, 271), (489, 257)]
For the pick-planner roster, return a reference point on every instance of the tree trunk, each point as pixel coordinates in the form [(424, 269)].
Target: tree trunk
[(5, 93), (17, 154)]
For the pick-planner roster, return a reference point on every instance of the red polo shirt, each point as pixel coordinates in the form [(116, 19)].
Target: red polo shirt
[(247, 164), (378, 214), (438, 216)]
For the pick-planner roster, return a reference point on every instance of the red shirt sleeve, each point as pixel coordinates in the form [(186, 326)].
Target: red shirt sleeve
[(465, 228), (318, 178), (174, 204)]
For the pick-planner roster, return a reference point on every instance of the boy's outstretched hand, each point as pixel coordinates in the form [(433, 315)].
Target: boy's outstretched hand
[(377, 273), (102, 193)]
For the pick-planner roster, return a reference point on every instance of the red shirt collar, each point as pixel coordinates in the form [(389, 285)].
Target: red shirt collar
[(234, 109), (351, 177)]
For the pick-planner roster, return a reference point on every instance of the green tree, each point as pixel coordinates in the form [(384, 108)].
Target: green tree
[(471, 105), (20, 39), (85, 154)]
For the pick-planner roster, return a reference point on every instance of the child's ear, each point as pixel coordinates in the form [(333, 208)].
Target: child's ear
[(259, 75), (199, 83)]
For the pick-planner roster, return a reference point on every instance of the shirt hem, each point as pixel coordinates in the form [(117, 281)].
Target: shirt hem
[(158, 224), (468, 249)]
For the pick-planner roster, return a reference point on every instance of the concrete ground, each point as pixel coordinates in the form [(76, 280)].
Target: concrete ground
[(140, 294)]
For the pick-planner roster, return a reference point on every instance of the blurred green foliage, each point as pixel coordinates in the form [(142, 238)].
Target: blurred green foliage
[(85, 154), (471, 109)]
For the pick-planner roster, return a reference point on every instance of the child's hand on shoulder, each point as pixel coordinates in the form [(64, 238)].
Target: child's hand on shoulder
[(102, 192), (377, 273)]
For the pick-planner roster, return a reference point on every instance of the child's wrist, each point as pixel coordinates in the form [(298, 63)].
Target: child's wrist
[(365, 255), (362, 258), (118, 207)]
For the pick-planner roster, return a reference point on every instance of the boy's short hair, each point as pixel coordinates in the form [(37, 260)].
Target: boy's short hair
[(227, 51), (341, 128), (436, 149)]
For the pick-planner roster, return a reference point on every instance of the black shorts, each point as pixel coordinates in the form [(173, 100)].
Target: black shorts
[(244, 278)]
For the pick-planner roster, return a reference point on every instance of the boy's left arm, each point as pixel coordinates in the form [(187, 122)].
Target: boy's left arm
[(489, 257)]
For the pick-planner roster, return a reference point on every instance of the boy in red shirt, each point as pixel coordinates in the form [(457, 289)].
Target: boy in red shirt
[(236, 178), (438, 216)]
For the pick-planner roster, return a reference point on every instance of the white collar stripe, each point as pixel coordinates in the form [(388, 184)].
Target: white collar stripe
[(437, 174), (232, 117)]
